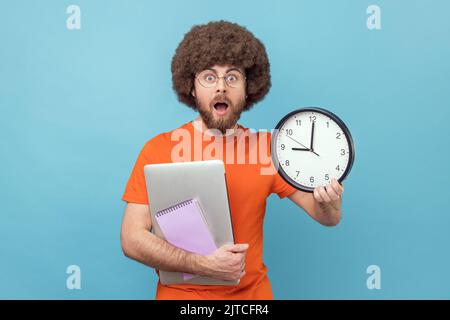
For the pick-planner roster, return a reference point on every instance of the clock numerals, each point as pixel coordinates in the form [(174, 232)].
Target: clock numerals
[(319, 145)]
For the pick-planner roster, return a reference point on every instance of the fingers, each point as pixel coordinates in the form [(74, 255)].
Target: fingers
[(236, 248), (236, 268), (337, 187), (239, 262), (332, 193), (241, 271), (328, 193), (321, 195), (232, 265)]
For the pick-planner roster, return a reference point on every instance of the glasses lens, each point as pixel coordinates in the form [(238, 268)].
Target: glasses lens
[(234, 79), (207, 78)]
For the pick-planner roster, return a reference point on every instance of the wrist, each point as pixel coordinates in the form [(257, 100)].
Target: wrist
[(329, 207), (329, 214), (198, 263)]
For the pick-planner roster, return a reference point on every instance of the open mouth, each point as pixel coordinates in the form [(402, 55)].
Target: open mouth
[(221, 108)]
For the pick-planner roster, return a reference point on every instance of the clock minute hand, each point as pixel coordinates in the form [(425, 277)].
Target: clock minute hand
[(312, 137), (312, 140)]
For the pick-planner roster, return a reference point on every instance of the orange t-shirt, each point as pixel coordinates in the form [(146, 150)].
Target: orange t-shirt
[(247, 188)]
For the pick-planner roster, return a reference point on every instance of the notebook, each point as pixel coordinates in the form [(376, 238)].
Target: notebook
[(184, 226)]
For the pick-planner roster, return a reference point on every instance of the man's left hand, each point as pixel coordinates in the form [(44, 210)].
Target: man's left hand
[(329, 195)]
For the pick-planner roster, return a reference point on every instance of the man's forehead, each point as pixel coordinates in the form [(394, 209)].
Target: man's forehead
[(224, 68)]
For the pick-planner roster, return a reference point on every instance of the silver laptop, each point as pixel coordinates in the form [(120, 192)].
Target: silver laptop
[(171, 183)]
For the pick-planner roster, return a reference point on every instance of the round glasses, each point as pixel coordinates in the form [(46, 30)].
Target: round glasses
[(209, 79)]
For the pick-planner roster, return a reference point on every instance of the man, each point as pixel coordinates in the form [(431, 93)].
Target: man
[(220, 70)]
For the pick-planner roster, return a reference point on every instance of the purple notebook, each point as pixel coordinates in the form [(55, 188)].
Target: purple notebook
[(185, 227)]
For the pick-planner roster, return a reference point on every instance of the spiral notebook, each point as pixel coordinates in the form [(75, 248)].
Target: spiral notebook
[(185, 227)]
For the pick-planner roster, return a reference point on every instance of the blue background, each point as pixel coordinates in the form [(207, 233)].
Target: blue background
[(78, 105)]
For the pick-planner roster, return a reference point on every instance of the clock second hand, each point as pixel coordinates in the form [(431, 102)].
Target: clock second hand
[(303, 146)]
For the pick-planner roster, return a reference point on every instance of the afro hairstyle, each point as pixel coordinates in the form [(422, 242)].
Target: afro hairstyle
[(220, 43)]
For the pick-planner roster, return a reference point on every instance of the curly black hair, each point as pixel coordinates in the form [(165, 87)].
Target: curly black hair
[(220, 43)]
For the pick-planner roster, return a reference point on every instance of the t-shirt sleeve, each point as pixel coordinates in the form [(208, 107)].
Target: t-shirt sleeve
[(281, 187), (136, 189)]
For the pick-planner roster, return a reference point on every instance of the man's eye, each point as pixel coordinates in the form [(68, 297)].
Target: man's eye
[(231, 78), (210, 78)]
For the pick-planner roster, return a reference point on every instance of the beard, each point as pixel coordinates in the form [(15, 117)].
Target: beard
[(224, 122)]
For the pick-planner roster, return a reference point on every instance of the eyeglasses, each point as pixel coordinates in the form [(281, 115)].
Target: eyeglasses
[(209, 78)]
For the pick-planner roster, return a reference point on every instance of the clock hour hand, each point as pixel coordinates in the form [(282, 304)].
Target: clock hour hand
[(301, 149)]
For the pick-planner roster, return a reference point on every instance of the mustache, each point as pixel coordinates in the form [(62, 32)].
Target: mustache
[(222, 99)]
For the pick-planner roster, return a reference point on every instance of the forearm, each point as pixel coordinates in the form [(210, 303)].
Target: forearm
[(150, 250)]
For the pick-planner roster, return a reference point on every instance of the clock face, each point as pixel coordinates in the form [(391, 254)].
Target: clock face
[(310, 147)]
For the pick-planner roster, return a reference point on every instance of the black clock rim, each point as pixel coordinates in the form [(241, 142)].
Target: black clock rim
[(325, 112)]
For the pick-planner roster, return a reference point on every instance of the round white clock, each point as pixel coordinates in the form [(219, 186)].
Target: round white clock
[(311, 146)]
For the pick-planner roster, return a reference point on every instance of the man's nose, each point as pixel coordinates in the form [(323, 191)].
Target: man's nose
[(221, 85)]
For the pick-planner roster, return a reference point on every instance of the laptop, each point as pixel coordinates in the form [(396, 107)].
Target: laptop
[(171, 183)]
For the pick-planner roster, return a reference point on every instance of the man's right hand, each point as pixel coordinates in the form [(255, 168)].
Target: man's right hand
[(227, 262)]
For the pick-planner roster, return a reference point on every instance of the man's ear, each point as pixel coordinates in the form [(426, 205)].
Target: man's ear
[(193, 93)]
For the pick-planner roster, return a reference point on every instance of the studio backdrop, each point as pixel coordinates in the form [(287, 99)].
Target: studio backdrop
[(84, 84)]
